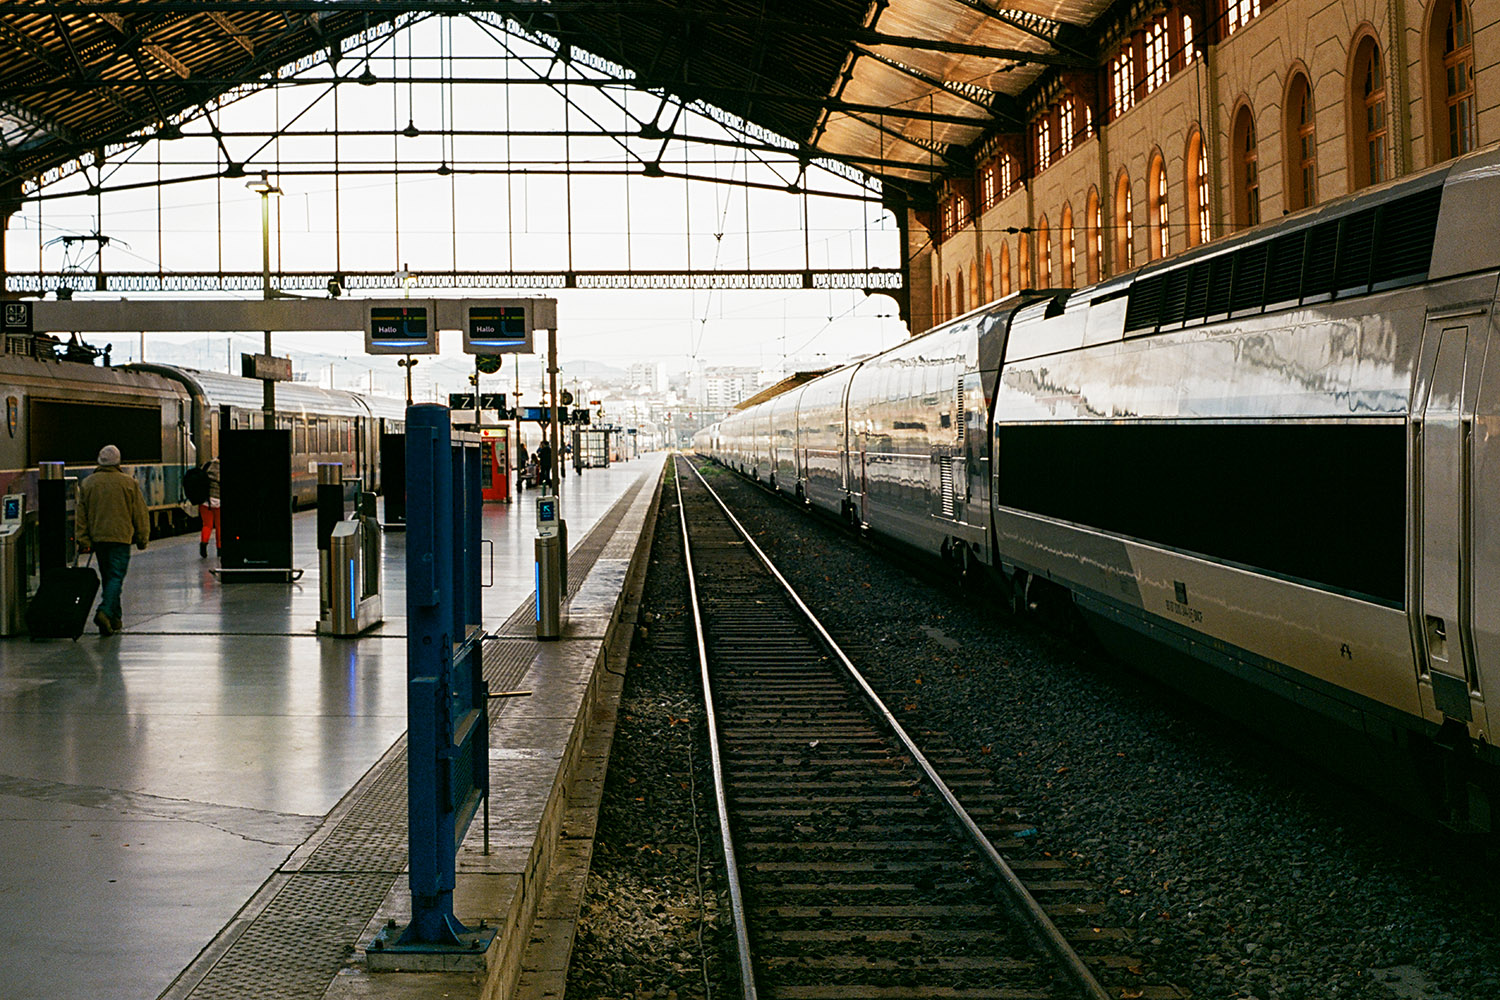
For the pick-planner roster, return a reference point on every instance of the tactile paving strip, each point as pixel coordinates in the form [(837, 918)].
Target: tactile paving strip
[(507, 661), (580, 560), (296, 946)]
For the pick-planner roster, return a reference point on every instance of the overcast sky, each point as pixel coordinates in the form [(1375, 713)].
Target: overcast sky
[(487, 221)]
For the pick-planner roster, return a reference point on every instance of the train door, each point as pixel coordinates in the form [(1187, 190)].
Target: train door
[(1442, 591)]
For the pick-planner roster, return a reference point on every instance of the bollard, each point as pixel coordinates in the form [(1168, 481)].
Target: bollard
[(52, 516), (330, 513), (551, 570)]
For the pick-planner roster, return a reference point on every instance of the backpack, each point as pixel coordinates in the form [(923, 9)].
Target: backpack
[(195, 484)]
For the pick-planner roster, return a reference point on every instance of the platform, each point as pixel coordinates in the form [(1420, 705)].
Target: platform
[(213, 803)]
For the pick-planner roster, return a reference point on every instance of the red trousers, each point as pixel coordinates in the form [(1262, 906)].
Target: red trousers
[(210, 517)]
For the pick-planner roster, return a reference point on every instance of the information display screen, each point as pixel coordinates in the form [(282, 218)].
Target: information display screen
[(400, 328), (12, 514), (546, 517), (497, 326)]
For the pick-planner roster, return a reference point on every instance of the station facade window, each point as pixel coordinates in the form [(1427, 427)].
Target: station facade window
[(1246, 166), (1124, 224), (1004, 268), (1368, 127), (1043, 253), (1093, 235), (1122, 80), (1157, 214), (1069, 252), (1301, 145), (989, 277), (1450, 58), (1238, 13)]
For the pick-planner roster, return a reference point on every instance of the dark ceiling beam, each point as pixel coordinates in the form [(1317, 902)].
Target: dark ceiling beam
[(1061, 35), (48, 60), (937, 149), (41, 123), (713, 94), (527, 8), (1000, 108)]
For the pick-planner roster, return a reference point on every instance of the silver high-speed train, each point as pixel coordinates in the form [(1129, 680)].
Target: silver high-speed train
[(1275, 458)]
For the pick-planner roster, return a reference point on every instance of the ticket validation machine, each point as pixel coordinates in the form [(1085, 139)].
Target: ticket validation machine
[(551, 584), (13, 569)]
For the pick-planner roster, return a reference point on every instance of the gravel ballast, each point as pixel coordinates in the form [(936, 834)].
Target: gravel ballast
[(1241, 871)]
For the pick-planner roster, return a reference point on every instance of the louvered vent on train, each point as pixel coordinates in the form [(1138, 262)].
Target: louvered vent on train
[(1366, 251)]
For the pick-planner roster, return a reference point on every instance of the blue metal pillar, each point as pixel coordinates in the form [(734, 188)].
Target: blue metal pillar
[(447, 699)]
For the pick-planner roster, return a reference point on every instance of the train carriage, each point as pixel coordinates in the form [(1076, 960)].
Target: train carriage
[(165, 420), (1273, 458)]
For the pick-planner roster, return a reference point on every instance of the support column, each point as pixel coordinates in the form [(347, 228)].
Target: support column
[(10, 204)]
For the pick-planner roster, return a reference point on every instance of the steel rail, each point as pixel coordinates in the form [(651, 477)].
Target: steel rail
[(736, 897), (1033, 918)]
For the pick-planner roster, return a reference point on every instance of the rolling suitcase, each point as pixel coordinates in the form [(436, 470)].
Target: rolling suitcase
[(60, 607)]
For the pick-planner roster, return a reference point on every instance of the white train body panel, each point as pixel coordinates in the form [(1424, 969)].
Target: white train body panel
[(1278, 454)]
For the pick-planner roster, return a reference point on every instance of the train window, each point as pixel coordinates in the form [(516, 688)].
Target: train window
[(299, 436), (73, 432), (1127, 480)]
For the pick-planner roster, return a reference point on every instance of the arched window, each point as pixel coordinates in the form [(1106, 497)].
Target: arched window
[(1093, 236), (974, 286), (1246, 166), (1301, 145), (1156, 208), (1004, 269), (1023, 260), (1368, 128), (1069, 252), (1124, 225), (937, 303), (958, 298), (1450, 76), (1196, 183), (947, 299), (1043, 254), (989, 277)]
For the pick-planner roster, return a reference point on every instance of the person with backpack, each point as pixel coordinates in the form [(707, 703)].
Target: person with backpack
[(201, 486)]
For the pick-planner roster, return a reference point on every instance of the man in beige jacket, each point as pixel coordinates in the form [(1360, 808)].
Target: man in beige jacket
[(110, 515)]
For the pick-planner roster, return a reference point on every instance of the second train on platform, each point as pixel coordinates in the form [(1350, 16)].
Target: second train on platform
[(62, 407)]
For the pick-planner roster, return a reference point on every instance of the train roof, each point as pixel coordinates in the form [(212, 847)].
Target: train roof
[(384, 406), (220, 389)]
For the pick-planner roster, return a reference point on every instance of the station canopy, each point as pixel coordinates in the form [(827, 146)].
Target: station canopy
[(902, 90)]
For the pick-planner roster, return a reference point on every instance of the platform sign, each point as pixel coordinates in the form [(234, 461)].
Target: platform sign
[(498, 326), (17, 317), (401, 326), (266, 367)]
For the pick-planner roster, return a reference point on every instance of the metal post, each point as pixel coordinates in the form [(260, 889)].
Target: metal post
[(265, 189), (447, 699), (556, 441)]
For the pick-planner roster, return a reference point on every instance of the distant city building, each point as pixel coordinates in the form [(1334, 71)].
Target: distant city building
[(648, 375), (721, 388)]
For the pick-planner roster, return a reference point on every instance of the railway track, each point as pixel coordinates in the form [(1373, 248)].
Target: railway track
[(853, 869)]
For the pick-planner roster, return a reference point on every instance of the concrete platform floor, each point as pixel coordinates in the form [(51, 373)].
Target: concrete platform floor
[(150, 783)]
